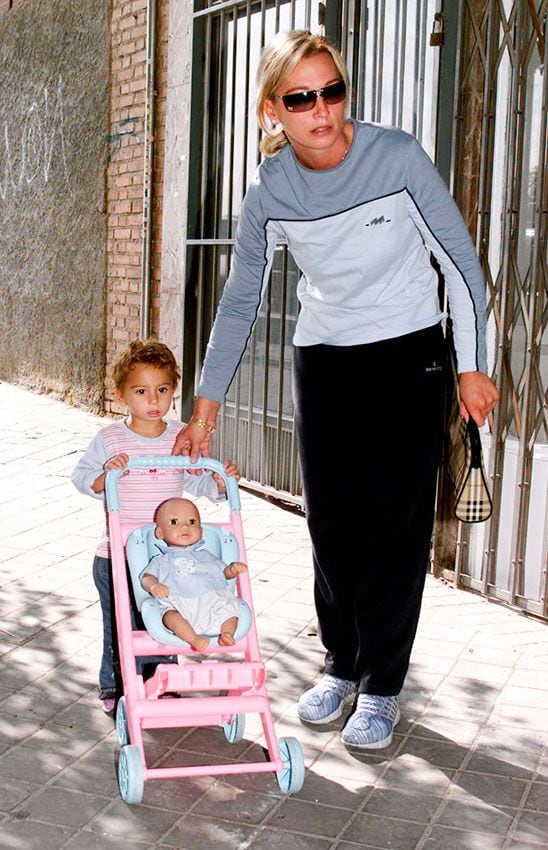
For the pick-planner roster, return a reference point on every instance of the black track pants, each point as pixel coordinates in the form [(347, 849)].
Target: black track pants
[(369, 426)]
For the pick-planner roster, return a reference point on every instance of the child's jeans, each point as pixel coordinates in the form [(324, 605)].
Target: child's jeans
[(109, 680), (109, 672)]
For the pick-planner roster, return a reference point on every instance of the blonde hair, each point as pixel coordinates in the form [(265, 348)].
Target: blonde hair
[(149, 351), (278, 60)]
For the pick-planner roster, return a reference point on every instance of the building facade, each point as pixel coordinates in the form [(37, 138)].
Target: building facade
[(128, 139)]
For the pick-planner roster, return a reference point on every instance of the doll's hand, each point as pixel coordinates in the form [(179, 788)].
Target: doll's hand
[(159, 591), (231, 470), (235, 569), (116, 462)]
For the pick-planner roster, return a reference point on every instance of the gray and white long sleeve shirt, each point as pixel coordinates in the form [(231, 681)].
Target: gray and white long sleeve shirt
[(362, 234)]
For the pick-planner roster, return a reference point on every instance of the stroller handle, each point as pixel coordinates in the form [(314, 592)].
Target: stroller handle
[(170, 462)]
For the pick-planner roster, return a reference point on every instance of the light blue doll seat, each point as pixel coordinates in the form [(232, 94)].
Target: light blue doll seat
[(142, 545)]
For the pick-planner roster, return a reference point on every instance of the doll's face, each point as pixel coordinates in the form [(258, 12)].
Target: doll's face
[(178, 523)]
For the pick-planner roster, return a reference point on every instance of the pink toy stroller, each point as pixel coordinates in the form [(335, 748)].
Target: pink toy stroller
[(242, 684)]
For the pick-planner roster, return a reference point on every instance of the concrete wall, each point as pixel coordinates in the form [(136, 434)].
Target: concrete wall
[(54, 61), (176, 175)]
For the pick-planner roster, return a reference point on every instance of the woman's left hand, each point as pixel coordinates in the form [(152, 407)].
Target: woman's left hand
[(478, 396)]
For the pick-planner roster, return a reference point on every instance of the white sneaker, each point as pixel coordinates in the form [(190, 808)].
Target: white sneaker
[(372, 724), (325, 701)]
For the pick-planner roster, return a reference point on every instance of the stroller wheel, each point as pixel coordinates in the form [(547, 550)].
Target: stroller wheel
[(291, 777), (234, 730), (130, 774), (122, 731)]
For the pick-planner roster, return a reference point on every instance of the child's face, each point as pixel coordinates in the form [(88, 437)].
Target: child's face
[(179, 523), (147, 393)]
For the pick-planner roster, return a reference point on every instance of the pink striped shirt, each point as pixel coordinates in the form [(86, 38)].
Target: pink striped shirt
[(142, 490)]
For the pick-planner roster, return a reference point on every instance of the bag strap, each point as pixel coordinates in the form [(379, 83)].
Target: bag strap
[(475, 444)]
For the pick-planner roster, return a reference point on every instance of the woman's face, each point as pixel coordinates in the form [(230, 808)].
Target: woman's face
[(317, 135)]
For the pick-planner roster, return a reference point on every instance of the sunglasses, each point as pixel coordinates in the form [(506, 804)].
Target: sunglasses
[(303, 101)]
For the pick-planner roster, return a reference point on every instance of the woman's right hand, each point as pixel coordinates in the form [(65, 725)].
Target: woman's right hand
[(195, 437)]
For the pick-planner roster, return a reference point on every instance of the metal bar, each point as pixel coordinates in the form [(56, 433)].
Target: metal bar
[(540, 319), (208, 242), (482, 232), (514, 182), (448, 75), (525, 459), (222, 7), (247, 86), (200, 295), (148, 173), (379, 58), (416, 75), (421, 66), (362, 38), (267, 318), (399, 48), (280, 396), (231, 105), (375, 69), (534, 320)]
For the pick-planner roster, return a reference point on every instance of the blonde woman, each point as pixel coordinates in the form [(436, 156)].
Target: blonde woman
[(363, 210)]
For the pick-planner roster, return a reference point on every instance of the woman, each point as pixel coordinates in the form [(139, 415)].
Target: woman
[(362, 209)]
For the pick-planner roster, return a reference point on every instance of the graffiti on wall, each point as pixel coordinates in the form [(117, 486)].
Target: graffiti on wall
[(32, 144), (123, 128)]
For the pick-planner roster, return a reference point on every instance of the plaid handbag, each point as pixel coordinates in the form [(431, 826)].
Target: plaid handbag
[(472, 497)]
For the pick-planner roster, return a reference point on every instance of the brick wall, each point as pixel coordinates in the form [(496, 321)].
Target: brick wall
[(125, 180)]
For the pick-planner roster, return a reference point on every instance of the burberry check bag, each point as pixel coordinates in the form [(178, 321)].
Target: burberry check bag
[(472, 497)]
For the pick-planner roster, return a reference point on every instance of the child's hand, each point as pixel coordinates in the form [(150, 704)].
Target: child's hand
[(231, 470), (159, 591), (235, 569), (116, 462)]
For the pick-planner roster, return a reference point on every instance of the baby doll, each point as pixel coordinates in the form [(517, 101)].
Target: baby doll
[(189, 581)]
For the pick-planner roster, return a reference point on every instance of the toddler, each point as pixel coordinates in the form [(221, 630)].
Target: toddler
[(145, 378), (189, 581)]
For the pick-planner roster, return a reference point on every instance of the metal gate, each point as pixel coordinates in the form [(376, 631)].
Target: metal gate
[(393, 70), (503, 191), (491, 121)]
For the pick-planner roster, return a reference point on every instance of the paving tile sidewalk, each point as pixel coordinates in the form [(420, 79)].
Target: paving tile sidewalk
[(468, 767)]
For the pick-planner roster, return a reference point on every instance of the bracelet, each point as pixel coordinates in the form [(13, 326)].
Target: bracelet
[(201, 424)]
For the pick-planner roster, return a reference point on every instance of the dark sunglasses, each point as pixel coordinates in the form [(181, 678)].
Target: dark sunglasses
[(302, 101)]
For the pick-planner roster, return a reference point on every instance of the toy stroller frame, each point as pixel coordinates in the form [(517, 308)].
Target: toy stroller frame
[(243, 681)]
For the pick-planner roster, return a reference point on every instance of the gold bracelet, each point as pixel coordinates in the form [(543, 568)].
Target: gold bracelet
[(201, 424)]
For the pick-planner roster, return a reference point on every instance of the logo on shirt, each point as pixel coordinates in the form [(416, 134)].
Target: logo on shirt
[(184, 566), (375, 221)]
